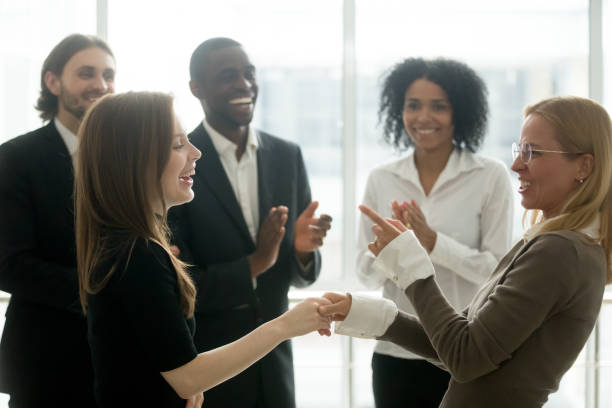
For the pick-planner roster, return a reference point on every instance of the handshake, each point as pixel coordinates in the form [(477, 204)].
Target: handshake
[(315, 313)]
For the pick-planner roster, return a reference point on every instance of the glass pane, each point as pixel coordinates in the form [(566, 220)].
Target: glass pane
[(362, 373), (605, 353), (498, 40), (29, 29), (319, 375), (518, 70), (299, 74)]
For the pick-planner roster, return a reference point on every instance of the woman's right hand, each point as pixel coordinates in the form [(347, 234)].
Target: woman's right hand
[(339, 306), (304, 318)]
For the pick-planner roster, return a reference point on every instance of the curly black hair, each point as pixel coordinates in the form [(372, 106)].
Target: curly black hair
[(467, 94)]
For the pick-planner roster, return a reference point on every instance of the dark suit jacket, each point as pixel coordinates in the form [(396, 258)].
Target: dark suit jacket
[(44, 351), (213, 235)]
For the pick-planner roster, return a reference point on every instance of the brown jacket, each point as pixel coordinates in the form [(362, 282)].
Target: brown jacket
[(523, 330)]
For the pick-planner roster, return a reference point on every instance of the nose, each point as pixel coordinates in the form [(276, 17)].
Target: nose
[(517, 164), (244, 83), (423, 114), (102, 85), (195, 153)]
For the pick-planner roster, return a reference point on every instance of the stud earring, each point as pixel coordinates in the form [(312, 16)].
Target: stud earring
[(581, 181)]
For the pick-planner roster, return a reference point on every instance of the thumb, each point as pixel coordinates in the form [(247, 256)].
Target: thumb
[(310, 210), (329, 310)]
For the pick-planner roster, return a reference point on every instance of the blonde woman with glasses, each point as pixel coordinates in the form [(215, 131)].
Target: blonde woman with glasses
[(528, 322)]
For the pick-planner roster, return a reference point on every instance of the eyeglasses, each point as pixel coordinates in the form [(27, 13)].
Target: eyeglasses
[(525, 151)]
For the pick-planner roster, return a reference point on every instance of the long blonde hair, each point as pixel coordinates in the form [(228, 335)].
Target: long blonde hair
[(581, 125), (124, 146)]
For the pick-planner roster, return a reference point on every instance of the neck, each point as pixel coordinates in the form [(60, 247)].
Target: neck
[(69, 120), (432, 161), (235, 134)]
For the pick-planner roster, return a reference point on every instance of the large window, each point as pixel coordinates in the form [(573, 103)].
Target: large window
[(29, 29), (319, 68)]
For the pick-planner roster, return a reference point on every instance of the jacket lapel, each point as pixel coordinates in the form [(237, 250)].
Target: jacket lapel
[(59, 166), (212, 174), (265, 172)]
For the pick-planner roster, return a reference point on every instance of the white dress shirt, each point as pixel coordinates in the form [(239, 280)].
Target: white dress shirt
[(69, 138), (471, 209), (242, 174)]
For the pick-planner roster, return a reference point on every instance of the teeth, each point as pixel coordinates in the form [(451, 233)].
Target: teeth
[(191, 173), (238, 101), (525, 184), (425, 131)]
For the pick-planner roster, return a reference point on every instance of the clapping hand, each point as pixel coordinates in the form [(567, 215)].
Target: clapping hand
[(269, 238), (310, 230), (412, 217)]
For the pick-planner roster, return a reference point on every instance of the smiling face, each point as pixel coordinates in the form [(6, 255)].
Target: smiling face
[(549, 178), (227, 88), (428, 116), (176, 179), (87, 76)]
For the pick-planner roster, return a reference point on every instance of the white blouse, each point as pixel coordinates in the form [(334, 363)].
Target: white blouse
[(470, 207)]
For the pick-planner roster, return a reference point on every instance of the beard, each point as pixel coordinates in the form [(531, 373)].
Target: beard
[(70, 102)]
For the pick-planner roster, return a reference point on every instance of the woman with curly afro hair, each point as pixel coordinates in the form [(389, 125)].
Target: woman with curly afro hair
[(458, 204)]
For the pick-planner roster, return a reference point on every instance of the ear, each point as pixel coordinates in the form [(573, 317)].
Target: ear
[(586, 163), (195, 89), (53, 83)]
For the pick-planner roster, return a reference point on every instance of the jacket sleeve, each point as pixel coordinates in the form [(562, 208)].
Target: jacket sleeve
[(539, 281), (24, 273), (476, 264), (220, 286)]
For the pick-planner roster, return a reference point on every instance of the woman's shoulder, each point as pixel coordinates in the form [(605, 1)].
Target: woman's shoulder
[(145, 259), (569, 251)]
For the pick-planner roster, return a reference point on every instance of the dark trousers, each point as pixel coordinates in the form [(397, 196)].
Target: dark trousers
[(405, 383)]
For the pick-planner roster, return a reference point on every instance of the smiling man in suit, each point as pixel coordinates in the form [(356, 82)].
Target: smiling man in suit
[(44, 356), (251, 230)]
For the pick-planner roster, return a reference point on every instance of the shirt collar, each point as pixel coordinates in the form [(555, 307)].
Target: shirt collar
[(458, 162), (224, 146), (592, 230), (69, 138)]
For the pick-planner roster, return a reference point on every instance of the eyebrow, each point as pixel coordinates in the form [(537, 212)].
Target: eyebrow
[(432, 100)]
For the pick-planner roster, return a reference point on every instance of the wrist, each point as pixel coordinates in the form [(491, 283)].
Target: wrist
[(303, 256), (278, 328), (433, 239), (255, 265)]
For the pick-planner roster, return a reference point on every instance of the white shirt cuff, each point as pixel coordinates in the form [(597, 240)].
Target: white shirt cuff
[(404, 260), (368, 318)]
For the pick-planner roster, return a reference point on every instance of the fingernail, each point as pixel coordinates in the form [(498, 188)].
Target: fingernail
[(404, 204)]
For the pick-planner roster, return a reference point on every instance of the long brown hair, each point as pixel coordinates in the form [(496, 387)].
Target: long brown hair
[(124, 146), (582, 125)]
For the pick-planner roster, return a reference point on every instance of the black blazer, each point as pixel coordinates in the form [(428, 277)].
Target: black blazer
[(212, 234), (44, 351)]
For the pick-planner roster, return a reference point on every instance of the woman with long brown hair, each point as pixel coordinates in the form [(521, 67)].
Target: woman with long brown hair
[(134, 162)]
